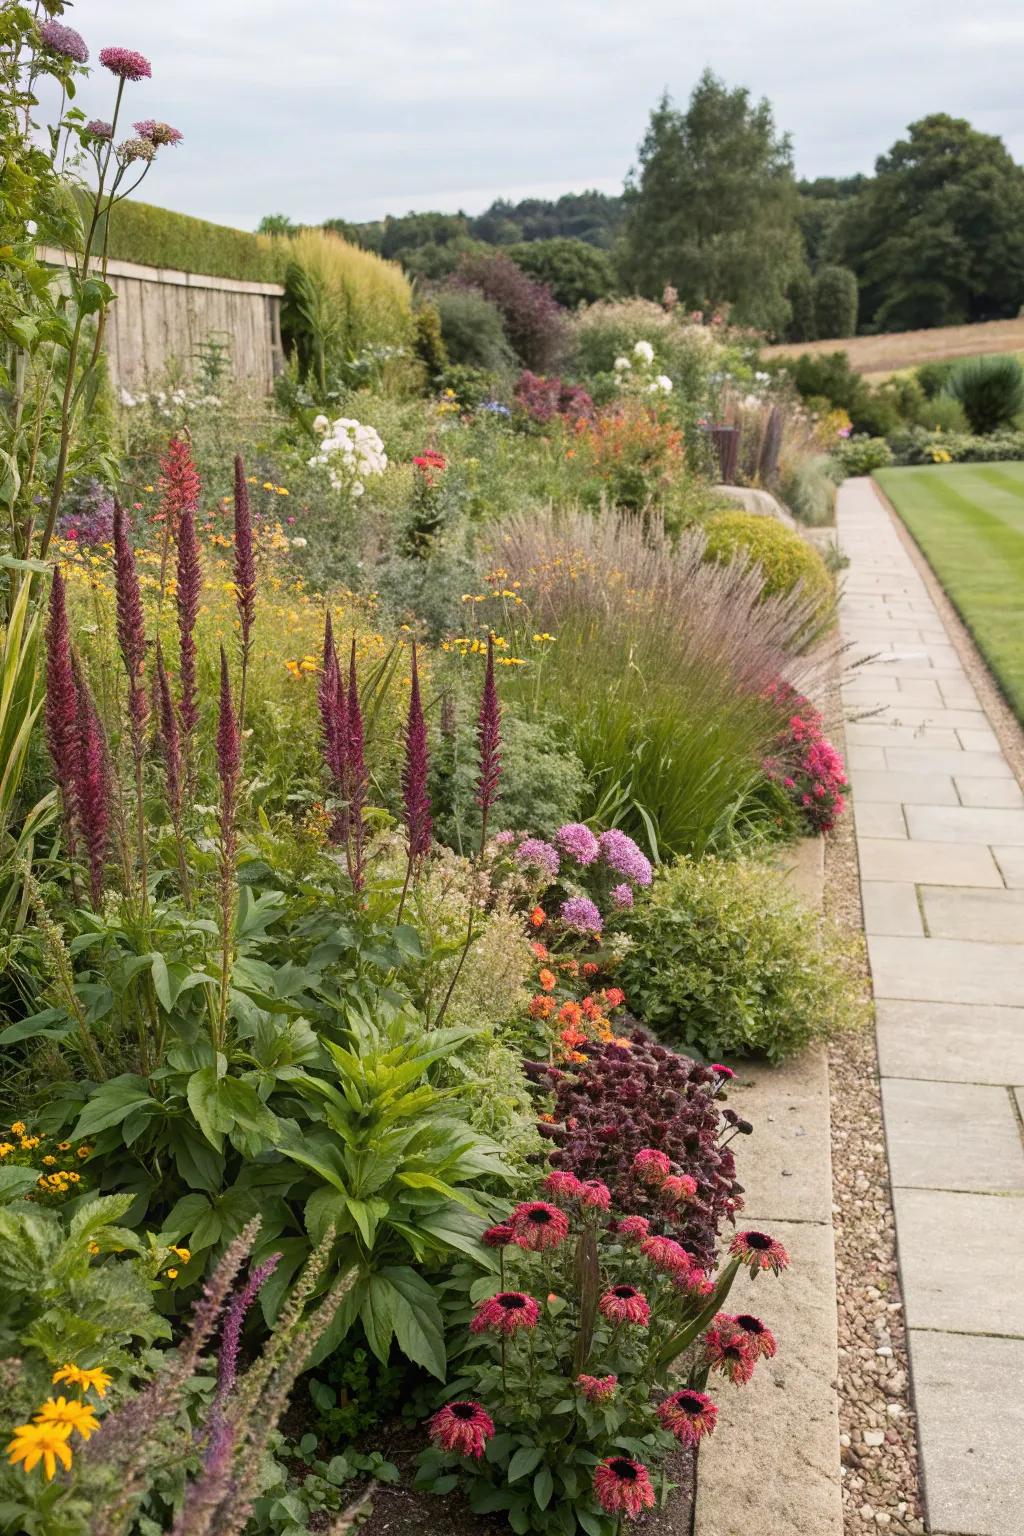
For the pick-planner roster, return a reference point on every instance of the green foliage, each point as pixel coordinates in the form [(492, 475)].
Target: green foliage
[(917, 445), (936, 237), (576, 273), (932, 377), (808, 488), (786, 560), (712, 207), (829, 376), (724, 960), (990, 390), (835, 302), (429, 342), (156, 237), (861, 455), (473, 331), (803, 325)]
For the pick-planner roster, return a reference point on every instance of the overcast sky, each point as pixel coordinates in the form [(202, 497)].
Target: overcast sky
[(357, 108)]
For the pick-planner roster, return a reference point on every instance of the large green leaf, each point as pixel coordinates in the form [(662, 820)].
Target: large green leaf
[(15, 1182), (419, 1327)]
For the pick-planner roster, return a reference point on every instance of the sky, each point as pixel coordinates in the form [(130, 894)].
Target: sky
[(357, 108)]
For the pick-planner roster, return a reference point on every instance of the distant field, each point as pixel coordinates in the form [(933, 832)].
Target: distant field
[(905, 349), (968, 520)]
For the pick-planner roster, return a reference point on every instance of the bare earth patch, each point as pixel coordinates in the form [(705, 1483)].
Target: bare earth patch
[(906, 349)]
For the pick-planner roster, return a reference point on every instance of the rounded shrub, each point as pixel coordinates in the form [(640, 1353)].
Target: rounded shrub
[(862, 455), (835, 302), (473, 330), (991, 391), (725, 961), (786, 560)]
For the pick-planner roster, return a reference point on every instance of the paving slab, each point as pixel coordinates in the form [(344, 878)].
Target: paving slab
[(789, 1475), (884, 733), (879, 818), (956, 1042), (970, 1412), (858, 758), (928, 1126), (988, 917), (1001, 794), (947, 970), (1011, 866), (906, 788), (980, 765), (891, 907), (966, 824), (786, 1165), (978, 740), (929, 863), (961, 1258)]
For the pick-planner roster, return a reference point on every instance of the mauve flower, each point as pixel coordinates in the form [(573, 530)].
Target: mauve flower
[(622, 854), (131, 631), (727, 1350), (666, 1254), (158, 133), (99, 129), (245, 559), (229, 756), (61, 716), (536, 1225), (535, 851), (126, 63), (505, 1313), (188, 591), (759, 1251), (578, 842), (170, 739), (92, 786), (136, 149), (489, 740), (64, 40), (462, 1428), (760, 1339), (597, 1389), (688, 1415), (415, 795), (625, 1304), (623, 1486), (580, 913), (622, 897), (327, 692), (231, 1333)]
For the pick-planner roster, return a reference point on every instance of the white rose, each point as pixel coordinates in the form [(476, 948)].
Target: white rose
[(645, 350)]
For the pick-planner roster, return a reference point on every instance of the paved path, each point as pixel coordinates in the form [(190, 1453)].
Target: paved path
[(940, 837)]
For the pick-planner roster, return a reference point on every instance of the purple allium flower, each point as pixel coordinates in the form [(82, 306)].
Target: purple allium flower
[(170, 738), (489, 741), (622, 854), (126, 63), (99, 129), (355, 771), (622, 896), (64, 40), (534, 850), (158, 133), (61, 716), (93, 787), (578, 842), (189, 588), (415, 796), (504, 839), (136, 149), (579, 912), (131, 630)]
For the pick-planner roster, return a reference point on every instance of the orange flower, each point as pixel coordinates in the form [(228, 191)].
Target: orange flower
[(571, 967), (538, 917), (573, 1036), (541, 1007), (589, 968), (547, 979), (614, 997), (591, 1007), (570, 1013), (539, 950)]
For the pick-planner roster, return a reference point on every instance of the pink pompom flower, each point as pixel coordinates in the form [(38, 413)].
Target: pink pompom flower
[(126, 63), (597, 1389), (652, 1166), (623, 1486), (625, 1304), (461, 1427), (505, 1313), (536, 1225), (688, 1415), (666, 1254)]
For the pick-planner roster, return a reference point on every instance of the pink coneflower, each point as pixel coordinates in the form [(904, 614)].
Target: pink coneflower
[(623, 1486), (596, 1196), (694, 1282), (727, 1350), (158, 133), (126, 64), (536, 1225), (634, 1227), (760, 1339), (678, 1187), (462, 1428), (563, 1186), (505, 1313), (625, 1304), (666, 1254), (759, 1251), (652, 1166), (64, 40), (498, 1236), (415, 795), (688, 1415), (488, 743), (597, 1389)]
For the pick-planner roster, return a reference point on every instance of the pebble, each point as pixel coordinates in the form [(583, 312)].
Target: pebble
[(872, 1437)]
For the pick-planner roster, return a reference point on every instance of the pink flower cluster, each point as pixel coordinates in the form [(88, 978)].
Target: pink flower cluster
[(807, 766)]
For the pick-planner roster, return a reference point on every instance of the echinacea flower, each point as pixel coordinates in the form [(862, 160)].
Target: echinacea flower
[(463, 1428), (652, 1166), (596, 1196), (563, 1185), (623, 1486), (581, 914), (64, 40), (536, 1225), (759, 1251), (498, 1236), (666, 1254), (760, 1339), (724, 1072), (678, 1187), (46, 1443), (597, 1389), (728, 1350), (505, 1313), (625, 1304), (578, 842), (635, 1227), (126, 63), (688, 1415)]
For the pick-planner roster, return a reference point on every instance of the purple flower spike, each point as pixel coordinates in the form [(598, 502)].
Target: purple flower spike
[(131, 631), (61, 703), (170, 738), (355, 772), (126, 64), (64, 40), (414, 774), (245, 560), (93, 787), (189, 588), (489, 740), (231, 1334)]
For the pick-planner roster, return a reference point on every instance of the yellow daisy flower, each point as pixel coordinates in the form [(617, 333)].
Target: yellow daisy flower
[(46, 1443), (58, 1411)]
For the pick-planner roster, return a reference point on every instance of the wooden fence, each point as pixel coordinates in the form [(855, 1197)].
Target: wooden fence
[(161, 318)]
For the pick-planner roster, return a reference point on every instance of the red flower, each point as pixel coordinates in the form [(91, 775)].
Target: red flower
[(547, 980), (614, 996), (695, 1282), (589, 968), (538, 918), (634, 1226), (564, 1185), (759, 1251), (597, 1389), (461, 1427), (625, 1304), (498, 1236), (539, 950), (541, 1007), (505, 1313), (679, 1187), (651, 1166), (726, 1072), (666, 1254), (596, 1196), (536, 1225), (760, 1340), (623, 1487), (688, 1415), (728, 1351)]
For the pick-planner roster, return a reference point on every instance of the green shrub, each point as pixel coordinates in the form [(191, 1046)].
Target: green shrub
[(939, 413), (835, 302), (802, 324), (786, 559), (473, 331), (576, 273), (156, 237), (932, 377), (991, 391), (915, 445), (429, 343), (861, 456), (725, 961), (829, 376), (808, 488)]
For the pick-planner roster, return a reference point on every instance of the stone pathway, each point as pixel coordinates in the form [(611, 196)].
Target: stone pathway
[(940, 838)]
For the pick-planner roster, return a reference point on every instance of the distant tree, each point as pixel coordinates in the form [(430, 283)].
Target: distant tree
[(593, 217), (712, 207), (937, 237), (276, 224), (575, 272), (800, 293), (835, 303)]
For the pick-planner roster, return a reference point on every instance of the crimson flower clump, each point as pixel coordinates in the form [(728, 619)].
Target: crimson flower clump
[(415, 795), (625, 1304), (634, 1227), (489, 743), (666, 1254), (179, 479), (597, 1389), (126, 63), (131, 630), (536, 1225), (727, 1350), (623, 1486), (688, 1415), (463, 1428), (505, 1313), (760, 1339), (564, 1186), (188, 591), (805, 764)]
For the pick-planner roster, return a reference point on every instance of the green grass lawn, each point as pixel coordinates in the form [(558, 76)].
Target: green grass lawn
[(969, 522)]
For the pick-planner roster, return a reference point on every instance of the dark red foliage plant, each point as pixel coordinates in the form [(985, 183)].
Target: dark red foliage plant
[(622, 1100), (534, 321)]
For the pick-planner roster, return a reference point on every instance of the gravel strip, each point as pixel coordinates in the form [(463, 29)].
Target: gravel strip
[(878, 1432)]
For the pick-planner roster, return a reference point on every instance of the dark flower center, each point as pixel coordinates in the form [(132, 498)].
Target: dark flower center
[(626, 1292), (759, 1240), (464, 1411), (539, 1216), (733, 1352), (750, 1324), (689, 1402), (512, 1301), (623, 1469)]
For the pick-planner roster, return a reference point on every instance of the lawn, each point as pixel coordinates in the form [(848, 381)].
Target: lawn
[(969, 522)]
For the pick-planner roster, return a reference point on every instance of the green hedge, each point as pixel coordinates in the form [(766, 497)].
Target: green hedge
[(156, 237)]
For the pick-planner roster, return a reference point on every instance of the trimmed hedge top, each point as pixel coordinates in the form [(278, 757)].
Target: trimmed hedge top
[(156, 237)]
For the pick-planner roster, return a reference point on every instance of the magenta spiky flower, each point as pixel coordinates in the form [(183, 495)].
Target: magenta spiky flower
[(64, 40), (678, 1188), (229, 756), (688, 1415), (498, 1236), (358, 779), (170, 737), (635, 1228), (131, 628), (158, 133), (666, 1254), (488, 741), (93, 789), (651, 1165), (759, 1252), (562, 1186), (537, 1225), (596, 1196), (126, 63), (245, 558), (597, 1389), (728, 1350), (623, 1486), (415, 795), (760, 1338), (625, 1304), (461, 1428), (61, 714), (505, 1313), (231, 1333), (189, 590)]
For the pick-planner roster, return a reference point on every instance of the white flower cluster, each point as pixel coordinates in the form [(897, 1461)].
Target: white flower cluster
[(659, 384), (167, 403), (351, 451)]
